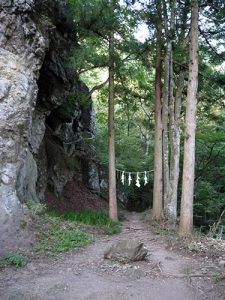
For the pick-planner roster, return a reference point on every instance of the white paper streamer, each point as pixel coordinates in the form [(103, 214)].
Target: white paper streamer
[(138, 180), (126, 175), (145, 178), (129, 179), (123, 178)]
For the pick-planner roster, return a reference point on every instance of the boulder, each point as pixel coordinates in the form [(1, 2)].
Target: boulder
[(126, 251)]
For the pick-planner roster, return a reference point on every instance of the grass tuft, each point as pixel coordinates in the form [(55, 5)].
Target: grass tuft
[(13, 258)]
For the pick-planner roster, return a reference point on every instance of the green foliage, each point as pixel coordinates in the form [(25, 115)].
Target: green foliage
[(62, 233), (208, 201), (113, 229), (217, 232), (134, 98), (13, 258), (91, 53), (96, 17), (91, 217), (94, 22), (90, 15), (209, 188), (58, 239), (130, 149)]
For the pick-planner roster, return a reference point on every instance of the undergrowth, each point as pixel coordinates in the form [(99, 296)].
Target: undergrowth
[(13, 258), (62, 234), (211, 244), (90, 217), (59, 238)]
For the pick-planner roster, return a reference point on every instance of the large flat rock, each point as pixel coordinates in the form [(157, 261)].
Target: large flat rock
[(126, 251)]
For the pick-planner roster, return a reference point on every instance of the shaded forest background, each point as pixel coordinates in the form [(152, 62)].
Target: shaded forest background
[(135, 69)]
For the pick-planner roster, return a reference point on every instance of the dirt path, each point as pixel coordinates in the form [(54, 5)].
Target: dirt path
[(84, 274)]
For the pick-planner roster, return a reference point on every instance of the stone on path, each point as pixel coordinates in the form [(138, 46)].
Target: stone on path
[(222, 264), (126, 251)]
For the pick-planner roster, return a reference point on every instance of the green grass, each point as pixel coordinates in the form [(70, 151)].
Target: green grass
[(14, 259), (91, 217), (62, 233), (59, 239)]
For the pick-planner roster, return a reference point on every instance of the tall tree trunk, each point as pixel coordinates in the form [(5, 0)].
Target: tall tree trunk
[(168, 103), (169, 205), (157, 188), (174, 129), (175, 150), (165, 119), (186, 215), (111, 132)]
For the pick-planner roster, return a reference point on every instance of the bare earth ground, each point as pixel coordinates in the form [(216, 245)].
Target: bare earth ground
[(84, 273)]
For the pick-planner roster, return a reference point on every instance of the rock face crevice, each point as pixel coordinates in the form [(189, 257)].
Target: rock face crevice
[(47, 120)]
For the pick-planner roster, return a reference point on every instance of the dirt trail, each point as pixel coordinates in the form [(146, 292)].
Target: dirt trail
[(84, 274)]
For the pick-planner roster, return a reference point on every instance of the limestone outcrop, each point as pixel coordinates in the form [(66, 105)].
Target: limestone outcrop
[(46, 127)]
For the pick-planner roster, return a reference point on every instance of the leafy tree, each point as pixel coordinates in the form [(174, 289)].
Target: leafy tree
[(97, 24)]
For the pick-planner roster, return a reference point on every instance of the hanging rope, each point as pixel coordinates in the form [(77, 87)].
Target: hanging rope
[(128, 172), (126, 175)]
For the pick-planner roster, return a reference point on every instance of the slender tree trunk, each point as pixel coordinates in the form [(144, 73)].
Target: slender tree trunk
[(111, 132), (169, 207), (186, 215), (165, 118), (175, 150), (157, 188), (168, 102)]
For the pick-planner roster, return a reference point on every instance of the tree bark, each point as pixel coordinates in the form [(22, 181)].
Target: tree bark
[(157, 188), (168, 104), (113, 215), (174, 129), (186, 215), (175, 150), (165, 119)]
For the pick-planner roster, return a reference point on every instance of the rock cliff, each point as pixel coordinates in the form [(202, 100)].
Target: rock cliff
[(47, 120)]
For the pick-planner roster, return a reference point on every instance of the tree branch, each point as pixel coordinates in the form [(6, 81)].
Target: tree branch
[(98, 87)]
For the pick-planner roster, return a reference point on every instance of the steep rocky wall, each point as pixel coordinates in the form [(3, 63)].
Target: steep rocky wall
[(46, 127)]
